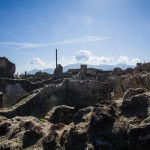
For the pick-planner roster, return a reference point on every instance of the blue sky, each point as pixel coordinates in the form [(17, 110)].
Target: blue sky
[(83, 31)]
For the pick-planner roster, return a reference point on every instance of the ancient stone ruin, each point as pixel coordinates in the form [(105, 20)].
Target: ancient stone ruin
[(145, 67), (89, 110), (7, 68)]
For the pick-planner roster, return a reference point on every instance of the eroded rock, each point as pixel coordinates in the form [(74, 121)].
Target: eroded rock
[(13, 94), (136, 105), (131, 92), (7, 68), (77, 138), (30, 138), (83, 115), (4, 128), (50, 141), (139, 136), (101, 124), (119, 124), (62, 114), (1, 100)]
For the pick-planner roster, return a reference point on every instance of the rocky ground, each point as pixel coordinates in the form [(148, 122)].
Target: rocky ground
[(122, 123)]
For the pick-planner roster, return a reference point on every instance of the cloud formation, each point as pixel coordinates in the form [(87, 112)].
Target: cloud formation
[(87, 57), (102, 59), (36, 61), (123, 59), (83, 55), (136, 60), (68, 41)]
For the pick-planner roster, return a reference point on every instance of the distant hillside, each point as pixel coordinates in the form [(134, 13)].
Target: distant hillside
[(76, 66), (102, 66), (33, 71), (48, 70)]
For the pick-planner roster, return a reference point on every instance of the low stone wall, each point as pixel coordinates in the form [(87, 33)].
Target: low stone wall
[(85, 93), (142, 67), (70, 92), (123, 83), (26, 85), (36, 104)]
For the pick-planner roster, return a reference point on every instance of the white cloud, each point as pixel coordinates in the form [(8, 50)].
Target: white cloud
[(123, 59), (19, 45), (83, 55), (81, 40), (87, 57), (68, 41), (36, 61), (102, 59), (136, 60)]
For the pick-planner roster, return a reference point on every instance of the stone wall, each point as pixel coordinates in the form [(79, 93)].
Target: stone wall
[(85, 93), (69, 92), (26, 85), (13, 93), (37, 103), (7, 68), (123, 83), (142, 67)]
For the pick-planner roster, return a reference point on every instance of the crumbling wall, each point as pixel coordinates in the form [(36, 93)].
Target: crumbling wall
[(71, 92), (7, 68), (123, 83), (27, 85), (37, 103), (142, 67), (85, 93), (117, 72), (13, 94)]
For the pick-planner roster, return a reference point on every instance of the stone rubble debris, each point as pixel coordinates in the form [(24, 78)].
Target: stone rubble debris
[(111, 112)]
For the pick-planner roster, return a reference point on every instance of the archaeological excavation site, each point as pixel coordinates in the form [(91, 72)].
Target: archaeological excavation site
[(80, 109)]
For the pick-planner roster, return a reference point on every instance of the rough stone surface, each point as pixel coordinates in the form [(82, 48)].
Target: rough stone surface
[(62, 114), (82, 73), (1, 99), (83, 115), (86, 93), (131, 92), (104, 127), (58, 72), (30, 138), (136, 105), (77, 138), (78, 94), (101, 125), (13, 93), (2, 118), (21, 133), (4, 128), (142, 67), (7, 68), (37, 103), (139, 136), (108, 124), (50, 141), (123, 83), (27, 85)]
